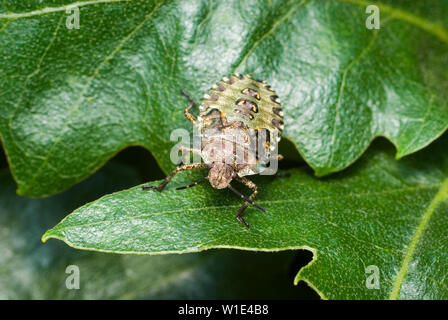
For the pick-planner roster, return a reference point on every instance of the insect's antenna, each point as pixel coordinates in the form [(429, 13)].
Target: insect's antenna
[(192, 184), (186, 95), (242, 196)]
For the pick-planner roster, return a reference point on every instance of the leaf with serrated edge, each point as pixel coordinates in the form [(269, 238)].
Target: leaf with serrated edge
[(382, 212), (33, 270), (72, 98)]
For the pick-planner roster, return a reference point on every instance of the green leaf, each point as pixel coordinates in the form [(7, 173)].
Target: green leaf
[(382, 212), (72, 98), (31, 270)]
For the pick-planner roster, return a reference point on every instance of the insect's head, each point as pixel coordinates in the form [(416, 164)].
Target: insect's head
[(220, 175)]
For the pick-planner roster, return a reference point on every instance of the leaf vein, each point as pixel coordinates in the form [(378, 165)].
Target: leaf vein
[(433, 28), (295, 200), (265, 35), (15, 16), (439, 197), (87, 85), (341, 91)]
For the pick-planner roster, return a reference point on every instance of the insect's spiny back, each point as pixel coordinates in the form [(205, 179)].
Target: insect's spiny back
[(242, 98)]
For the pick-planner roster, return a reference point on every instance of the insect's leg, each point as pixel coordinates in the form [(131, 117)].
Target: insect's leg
[(240, 211), (280, 157), (187, 113), (192, 184), (183, 167), (189, 116), (186, 149)]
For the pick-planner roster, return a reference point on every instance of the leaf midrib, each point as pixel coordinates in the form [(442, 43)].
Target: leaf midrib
[(432, 28), (48, 235), (441, 196)]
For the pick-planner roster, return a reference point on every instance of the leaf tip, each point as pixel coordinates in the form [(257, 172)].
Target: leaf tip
[(47, 235)]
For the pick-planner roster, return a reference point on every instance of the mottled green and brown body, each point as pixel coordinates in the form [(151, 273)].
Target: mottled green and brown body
[(240, 124)]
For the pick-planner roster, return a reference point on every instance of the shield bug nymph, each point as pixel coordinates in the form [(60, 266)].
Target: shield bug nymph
[(240, 124)]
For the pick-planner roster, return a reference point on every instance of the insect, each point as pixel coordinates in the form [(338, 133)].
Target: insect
[(240, 124)]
